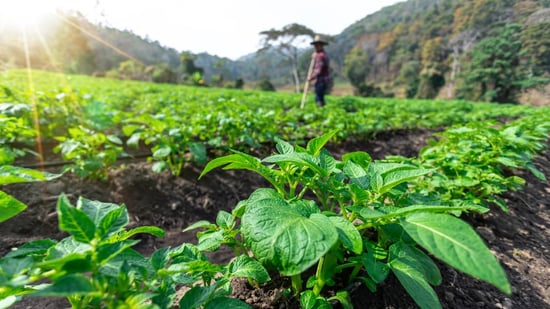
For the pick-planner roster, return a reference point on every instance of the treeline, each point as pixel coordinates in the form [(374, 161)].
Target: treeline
[(488, 50)]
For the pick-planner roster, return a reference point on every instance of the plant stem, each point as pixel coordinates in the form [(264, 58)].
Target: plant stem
[(296, 283), (319, 275)]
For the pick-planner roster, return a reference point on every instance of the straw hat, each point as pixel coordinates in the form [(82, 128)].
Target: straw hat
[(318, 40)]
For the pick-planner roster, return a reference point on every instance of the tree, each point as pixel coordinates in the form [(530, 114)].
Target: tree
[(495, 72), (132, 70), (264, 84), (162, 73), (409, 77), (285, 41), (190, 73), (356, 69), (536, 43), (431, 76)]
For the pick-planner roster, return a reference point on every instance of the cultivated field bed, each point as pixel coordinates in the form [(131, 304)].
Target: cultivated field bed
[(518, 239)]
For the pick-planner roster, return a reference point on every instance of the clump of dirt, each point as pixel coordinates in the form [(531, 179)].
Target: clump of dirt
[(519, 239)]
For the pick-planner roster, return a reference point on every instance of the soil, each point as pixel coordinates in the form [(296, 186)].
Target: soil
[(519, 239)]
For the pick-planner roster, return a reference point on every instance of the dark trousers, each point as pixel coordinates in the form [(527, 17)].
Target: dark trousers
[(320, 90)]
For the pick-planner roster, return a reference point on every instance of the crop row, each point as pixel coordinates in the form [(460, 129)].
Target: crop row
[(97, 121)]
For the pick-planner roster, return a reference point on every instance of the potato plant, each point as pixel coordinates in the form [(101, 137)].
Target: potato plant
[(473, 160), (91, 153), (351, 220), (96, 267)]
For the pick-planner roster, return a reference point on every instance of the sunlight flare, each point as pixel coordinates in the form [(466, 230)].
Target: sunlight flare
[(24, 13)]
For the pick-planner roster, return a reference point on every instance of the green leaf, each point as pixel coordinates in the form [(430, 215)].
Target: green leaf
[(315, 145), (197, 297), (224, 220), (344, 299), (74, 221), (372, 214), (211, 241), (35, 247), (94, 209), (133, 140), (198, 150), (66, 247), (418, 258), (308, 300), (281, 237), (235, 161), (113, 222), (533, 169), (361, 158), (127, 257), (9, 206), (376, 270), (69, 285), (8, 301), (244, 266), (106, 252), (456, 243), (13, 174), (160, 258), (14, 266), (302, 160), (357, 174), (159, 167), (114, 139), (65, 252), (153, 230), (348, 234), (400, 175), (162, 152), (327, 161), (226, 303), (283, 146), (413, 282), (200, 224)]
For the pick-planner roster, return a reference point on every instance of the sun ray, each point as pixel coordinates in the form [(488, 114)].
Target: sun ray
[(32, 97), (100, 40)]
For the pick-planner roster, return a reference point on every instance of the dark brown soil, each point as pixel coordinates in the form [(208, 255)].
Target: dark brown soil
[(519, 239)]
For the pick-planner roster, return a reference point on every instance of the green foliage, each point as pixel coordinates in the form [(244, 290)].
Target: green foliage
[(495, 72), (96, 267), (265, 85), (172, 146), (190, 73), (356, 67), (164, 74), (178, 123), (91, 153), (366, 217), (409, 78), (536, 43), (472, 159)]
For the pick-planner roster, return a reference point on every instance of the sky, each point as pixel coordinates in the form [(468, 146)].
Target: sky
[(226, 28)]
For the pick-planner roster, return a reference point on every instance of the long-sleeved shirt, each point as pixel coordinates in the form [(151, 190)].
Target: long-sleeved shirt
[(320, 71)]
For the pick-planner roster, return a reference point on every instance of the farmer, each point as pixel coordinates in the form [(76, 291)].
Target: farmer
[(320, 73)]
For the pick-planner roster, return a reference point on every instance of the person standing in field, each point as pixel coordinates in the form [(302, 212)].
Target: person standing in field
[(320, 74)]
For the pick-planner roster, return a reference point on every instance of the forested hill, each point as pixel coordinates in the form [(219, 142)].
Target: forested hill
[(428, 48), (488, 50)]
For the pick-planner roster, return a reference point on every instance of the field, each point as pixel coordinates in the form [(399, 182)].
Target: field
[(173, 199)]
